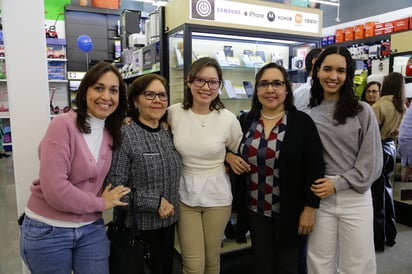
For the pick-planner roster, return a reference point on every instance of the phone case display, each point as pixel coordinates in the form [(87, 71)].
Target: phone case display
[(240, 57)]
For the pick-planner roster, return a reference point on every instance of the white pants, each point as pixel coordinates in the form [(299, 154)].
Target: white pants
[(343, 235)]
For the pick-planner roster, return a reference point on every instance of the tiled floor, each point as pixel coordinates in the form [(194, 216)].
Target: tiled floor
[(395, 260)]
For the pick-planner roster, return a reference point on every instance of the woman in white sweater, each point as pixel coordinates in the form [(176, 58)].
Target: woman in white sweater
[(202, 132)]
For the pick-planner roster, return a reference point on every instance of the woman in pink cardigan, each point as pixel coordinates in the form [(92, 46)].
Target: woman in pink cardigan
[(63, 230)]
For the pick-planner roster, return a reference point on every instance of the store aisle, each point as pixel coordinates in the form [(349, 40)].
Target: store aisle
[(394, 260), (9, 235)]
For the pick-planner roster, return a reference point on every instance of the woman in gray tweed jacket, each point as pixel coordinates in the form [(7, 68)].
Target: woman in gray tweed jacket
[(148, 163)]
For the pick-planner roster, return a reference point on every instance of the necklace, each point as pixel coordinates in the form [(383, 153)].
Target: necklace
[(271, 117), (203, 122)]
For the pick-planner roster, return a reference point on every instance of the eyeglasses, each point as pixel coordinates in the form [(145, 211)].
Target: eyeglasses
[(372, 91), (264, 85), (151, 95), (212, 84)]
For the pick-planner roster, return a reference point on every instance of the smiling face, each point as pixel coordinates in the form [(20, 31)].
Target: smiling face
[(203, 96), (103, 97), (332, 75), (272, 97), (151, 110)]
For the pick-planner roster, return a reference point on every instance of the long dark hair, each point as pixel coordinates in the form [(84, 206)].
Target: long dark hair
[(195, 68), (288, 104), (347, 105), (138, 86), (368, 85), (394, 84), (114, 121)]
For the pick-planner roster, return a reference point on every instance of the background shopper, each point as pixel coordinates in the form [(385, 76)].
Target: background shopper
[(63, 230), (202, 132), (372, 92), (148, 162), (343, 235), (405, 145), (284, 151), (302, 94), (389, 110)]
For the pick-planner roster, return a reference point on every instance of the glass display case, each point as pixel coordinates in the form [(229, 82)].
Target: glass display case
[(241, 53)]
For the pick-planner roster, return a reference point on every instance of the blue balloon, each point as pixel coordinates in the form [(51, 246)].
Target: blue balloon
[(84, 42)]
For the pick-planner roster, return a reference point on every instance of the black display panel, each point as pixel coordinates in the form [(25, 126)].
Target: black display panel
[(101, 25)]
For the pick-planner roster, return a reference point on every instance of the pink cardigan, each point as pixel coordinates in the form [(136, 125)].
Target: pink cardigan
[(70, 181)]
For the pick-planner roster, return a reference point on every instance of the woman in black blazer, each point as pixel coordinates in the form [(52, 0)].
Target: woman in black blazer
[(282, 149)]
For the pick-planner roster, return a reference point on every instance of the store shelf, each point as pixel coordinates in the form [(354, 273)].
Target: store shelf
[(134, 75), (56, 60), (367, 40), (58, 81)]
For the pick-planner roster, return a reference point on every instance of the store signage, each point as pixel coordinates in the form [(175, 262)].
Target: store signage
[(254, 15)]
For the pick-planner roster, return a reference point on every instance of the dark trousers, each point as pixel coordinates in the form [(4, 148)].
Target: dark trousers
[(268, 258), (161, 243), (384, 222)]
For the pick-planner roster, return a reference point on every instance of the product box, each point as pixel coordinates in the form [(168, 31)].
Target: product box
[(369, 29), (324, 41), (331, 39), (359, 32), (340, 36), (349, 33), (383, 31), (401, 24)]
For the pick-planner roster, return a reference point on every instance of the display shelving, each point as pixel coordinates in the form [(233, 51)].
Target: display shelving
[(57, 75), (240, 57)]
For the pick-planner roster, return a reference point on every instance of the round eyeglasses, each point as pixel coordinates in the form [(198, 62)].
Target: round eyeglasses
[(212, 84), (151, 95)]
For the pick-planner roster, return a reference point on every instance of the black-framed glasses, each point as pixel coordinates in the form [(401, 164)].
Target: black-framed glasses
[(212, 84), (151, 95), (373, 91), (264, 85)]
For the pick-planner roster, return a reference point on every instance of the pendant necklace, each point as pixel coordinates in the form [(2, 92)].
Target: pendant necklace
[(271, 117), (204, 120)]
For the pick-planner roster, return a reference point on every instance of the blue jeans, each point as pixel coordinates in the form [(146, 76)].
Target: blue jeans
[(58, 250)]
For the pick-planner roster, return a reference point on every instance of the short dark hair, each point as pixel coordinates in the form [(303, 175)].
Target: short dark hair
[(313, 53), (371, 83), (195, 68), (137, 87), (288, 104), (114, 121)]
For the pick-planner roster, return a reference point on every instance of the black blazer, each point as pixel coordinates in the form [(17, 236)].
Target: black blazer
[(300, 164)]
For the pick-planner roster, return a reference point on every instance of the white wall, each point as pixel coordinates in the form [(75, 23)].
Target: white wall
[(27, 84)]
